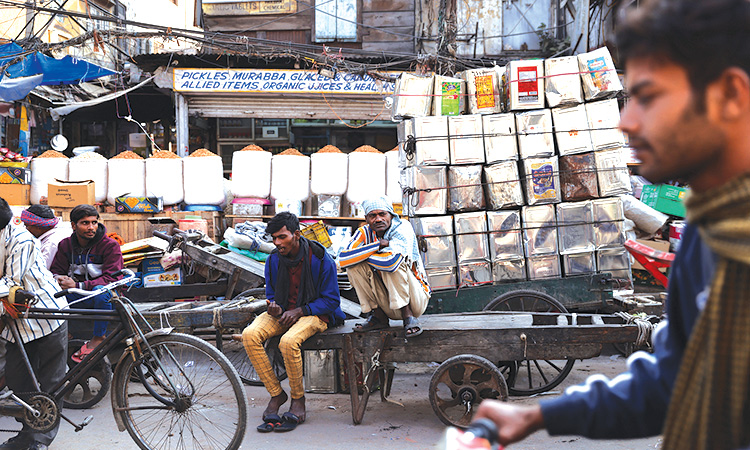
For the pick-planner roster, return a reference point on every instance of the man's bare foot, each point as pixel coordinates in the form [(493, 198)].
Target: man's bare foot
[(298, 408), (275, 403), (96, 340)]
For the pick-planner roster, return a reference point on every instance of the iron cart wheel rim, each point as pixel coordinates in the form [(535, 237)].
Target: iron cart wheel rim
[(529, 377), (209, 410), (460, 384)]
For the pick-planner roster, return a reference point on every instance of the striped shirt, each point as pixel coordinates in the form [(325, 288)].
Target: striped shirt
[(365, 246), (23, 265)]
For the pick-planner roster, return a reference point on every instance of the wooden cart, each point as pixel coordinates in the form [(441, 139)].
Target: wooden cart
[(482, 354)]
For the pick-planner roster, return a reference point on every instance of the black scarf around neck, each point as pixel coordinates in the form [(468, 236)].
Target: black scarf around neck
[(306, 291)]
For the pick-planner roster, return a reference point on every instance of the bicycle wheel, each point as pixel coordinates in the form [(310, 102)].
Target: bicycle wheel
[(93, 387), (208, 410), (236, 354)]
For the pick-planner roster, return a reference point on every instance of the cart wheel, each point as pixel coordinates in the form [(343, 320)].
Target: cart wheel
[(235, 352), (93, 387), (460, 384), (528, 377)]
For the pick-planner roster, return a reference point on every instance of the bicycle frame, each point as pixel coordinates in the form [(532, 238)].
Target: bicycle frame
[(126, 332)]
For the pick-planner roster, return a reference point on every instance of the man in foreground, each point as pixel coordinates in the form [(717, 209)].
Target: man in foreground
[(383, 264), (303, 295), (45, 341), (687, 67), (40, 220), (87, 259)]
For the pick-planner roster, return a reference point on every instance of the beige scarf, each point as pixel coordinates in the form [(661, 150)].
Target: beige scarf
[(710, 406)]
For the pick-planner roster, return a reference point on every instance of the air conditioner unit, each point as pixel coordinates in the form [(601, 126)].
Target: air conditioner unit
[(270, 132)]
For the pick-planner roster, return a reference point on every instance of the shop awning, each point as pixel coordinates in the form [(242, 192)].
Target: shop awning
[(19, 78)]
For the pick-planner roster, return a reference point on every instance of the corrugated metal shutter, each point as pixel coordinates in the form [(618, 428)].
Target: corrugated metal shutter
[(279, 107)]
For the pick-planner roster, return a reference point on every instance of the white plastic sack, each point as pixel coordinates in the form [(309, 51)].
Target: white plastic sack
[(290, 177), (164, 179), (44, 171), (392, 177), (366, 176), (247, 241), (645, 217), (328, 173), (125, 177), (251, 174), (203, 180), (81, 169)]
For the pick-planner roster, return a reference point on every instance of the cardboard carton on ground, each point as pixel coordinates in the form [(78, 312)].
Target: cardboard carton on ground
[(15, 194), (68, 194)]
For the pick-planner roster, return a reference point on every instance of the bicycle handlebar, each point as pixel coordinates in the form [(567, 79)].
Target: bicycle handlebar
[(129, 276)]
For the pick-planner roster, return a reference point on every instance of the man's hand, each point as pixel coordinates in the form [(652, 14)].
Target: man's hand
[(513, 422), (383, 244), (291, 317), (66, 282), (274, 310)]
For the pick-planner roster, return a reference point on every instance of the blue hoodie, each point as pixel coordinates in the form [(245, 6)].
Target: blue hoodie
[(323, 272), (634, 404)]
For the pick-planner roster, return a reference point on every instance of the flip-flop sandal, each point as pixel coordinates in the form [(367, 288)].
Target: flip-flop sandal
[(372, 323), (270, 422), (410, 323), (289, 422), (81, 353)]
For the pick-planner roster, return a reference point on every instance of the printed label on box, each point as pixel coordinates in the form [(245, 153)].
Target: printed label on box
[(450, 91), (485, 91), (598, 73), (543, 180), (528, 91)]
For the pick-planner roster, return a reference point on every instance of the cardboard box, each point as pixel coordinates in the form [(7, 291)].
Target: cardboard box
[(148, 205), (15, 194), (662, 246), (151, 265), (15, 175), (171, 277), (70, 193), (665, 198)]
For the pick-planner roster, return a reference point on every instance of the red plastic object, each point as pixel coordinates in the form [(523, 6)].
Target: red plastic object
[(652, 260)]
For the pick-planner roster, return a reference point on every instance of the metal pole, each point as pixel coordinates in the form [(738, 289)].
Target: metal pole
[(181, 121)]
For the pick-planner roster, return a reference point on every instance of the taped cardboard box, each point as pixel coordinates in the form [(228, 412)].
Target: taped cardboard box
[(69, 194), (15, 194)]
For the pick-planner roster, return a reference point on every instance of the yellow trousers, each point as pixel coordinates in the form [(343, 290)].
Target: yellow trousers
[(266, 326)]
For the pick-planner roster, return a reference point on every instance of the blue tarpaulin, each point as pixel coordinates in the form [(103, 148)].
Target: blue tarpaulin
[(67, 70)]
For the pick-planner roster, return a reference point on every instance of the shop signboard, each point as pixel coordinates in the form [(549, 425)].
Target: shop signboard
[(276, 81), (235, 8)]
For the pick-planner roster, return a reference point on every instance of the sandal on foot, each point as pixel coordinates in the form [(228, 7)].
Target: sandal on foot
[(372, 323), (289, 422), (81, 353), (411, 323), (270, 422)]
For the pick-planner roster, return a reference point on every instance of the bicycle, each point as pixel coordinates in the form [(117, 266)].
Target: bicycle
[(169, 390)]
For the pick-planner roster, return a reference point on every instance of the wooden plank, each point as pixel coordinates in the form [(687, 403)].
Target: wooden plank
[(388, 19), (300, 21), (371, 35), (405, 46), (162, 293), (388, 5)]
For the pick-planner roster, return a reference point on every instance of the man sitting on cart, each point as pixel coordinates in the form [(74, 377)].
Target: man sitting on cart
[(88, 259), (383, 264), (303, 299)]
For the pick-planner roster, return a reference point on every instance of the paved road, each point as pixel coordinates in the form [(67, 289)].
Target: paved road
[(329, 425)]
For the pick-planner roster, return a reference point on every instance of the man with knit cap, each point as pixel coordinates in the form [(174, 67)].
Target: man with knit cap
[(40, 220), (45, 340), (384, 265), (687, 67)]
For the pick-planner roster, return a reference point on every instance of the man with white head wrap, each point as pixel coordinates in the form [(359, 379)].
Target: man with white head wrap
[(385, 268)]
